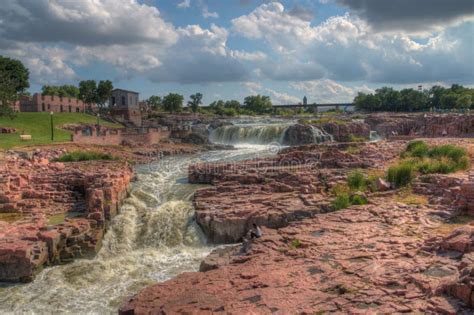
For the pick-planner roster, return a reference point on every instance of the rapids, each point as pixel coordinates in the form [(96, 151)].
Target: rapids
[(153, 238)]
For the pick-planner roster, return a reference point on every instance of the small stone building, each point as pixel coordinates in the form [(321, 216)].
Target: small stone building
[(124, 106)]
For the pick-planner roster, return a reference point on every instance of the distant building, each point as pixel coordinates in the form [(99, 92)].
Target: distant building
[(305, 101), (51, 103), (124, 106)]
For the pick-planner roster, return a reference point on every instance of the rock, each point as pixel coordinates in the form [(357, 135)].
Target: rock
[(299, 134), (42, 193), (422, 125), (347, 131), (382, 185), (195, 138), (356, 260)]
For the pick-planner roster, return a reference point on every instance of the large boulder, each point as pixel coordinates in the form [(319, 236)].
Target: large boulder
[(347, 131), (299, 134)]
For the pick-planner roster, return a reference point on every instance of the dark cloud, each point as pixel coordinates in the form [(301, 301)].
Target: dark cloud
[(302, 13), (410, 15), (202, 68), (290, 70)]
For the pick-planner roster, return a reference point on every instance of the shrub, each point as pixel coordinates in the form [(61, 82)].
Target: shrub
[(449, 151), (77, 156), (356, 180), (295, 243), (401, 175), (341, 201), (416, 148), (358, 200)]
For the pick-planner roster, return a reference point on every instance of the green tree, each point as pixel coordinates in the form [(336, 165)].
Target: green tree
[(196, 100), (154, 102), (173, 102), (232, 104), (62, 90), (13, 81), (70, 90), (367, 102), (435, 93), (218, 107), (258, 104), (49, 90), (448, 100), (104, 91), (88, 91), (413, 100), (464, 101), (389, 99)]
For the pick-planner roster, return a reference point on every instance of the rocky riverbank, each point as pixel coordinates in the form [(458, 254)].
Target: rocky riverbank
[(398, 253), (52, 212)]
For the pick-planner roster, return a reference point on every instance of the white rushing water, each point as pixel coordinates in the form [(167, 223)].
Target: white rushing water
[(154, 238), (249, 133)]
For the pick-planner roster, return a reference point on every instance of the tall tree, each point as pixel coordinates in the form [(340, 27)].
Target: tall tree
[(232, 104), (13, 81), (258, 104), (196, 100), (154, 102), (173, 102), (88, 91), (104, 91)]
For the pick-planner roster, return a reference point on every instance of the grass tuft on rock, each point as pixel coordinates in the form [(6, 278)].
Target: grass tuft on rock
[(78, 156), (420, 158), (401, 175), (356, 181)]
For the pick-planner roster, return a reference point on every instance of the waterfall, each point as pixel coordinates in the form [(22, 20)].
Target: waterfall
[(152, 239), (252, 134), (374, 136), (320, 135)]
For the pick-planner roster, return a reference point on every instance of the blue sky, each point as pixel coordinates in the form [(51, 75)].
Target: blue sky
[(327, 50)]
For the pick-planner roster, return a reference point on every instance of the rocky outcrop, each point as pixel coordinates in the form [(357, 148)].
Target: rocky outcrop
[(300, 134), (365, 259), (275, 191), (60, 211), (347, 131), (422, 125)]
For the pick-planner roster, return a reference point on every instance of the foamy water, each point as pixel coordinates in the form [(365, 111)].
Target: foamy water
[(153, 238)]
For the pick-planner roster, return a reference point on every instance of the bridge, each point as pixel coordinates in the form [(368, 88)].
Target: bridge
[(315, 106)]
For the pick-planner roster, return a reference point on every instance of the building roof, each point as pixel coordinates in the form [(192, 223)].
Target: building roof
[(128, 91)]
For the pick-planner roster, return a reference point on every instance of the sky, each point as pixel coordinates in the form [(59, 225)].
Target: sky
[(327, 50)]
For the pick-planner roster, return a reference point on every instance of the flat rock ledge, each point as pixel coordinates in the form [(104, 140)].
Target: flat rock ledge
[(52, 213), (389, 256), (380, 258)]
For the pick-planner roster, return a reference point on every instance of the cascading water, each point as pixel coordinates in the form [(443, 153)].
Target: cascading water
[(266, 132), (154, 238), (249, 133)]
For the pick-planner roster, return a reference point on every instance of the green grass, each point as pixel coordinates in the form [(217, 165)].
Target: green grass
[(38, 125), (401, 175), (356, 180), (77, 156)]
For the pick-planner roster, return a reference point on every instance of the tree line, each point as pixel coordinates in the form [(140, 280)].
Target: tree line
[(456, 97), (89, 91), (173, 102)]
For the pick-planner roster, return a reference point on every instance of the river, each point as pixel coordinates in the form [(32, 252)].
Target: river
[(153, 238)]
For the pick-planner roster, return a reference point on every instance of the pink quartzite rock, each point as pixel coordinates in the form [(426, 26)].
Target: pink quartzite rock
[(41, 194)]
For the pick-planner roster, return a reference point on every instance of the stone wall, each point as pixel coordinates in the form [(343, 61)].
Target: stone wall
[(146, 136)]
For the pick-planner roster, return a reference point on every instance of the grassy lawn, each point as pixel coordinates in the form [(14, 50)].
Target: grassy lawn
[(38, 125)]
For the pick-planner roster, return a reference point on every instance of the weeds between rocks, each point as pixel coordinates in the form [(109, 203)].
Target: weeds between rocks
[(420, 158), (78, 156)]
